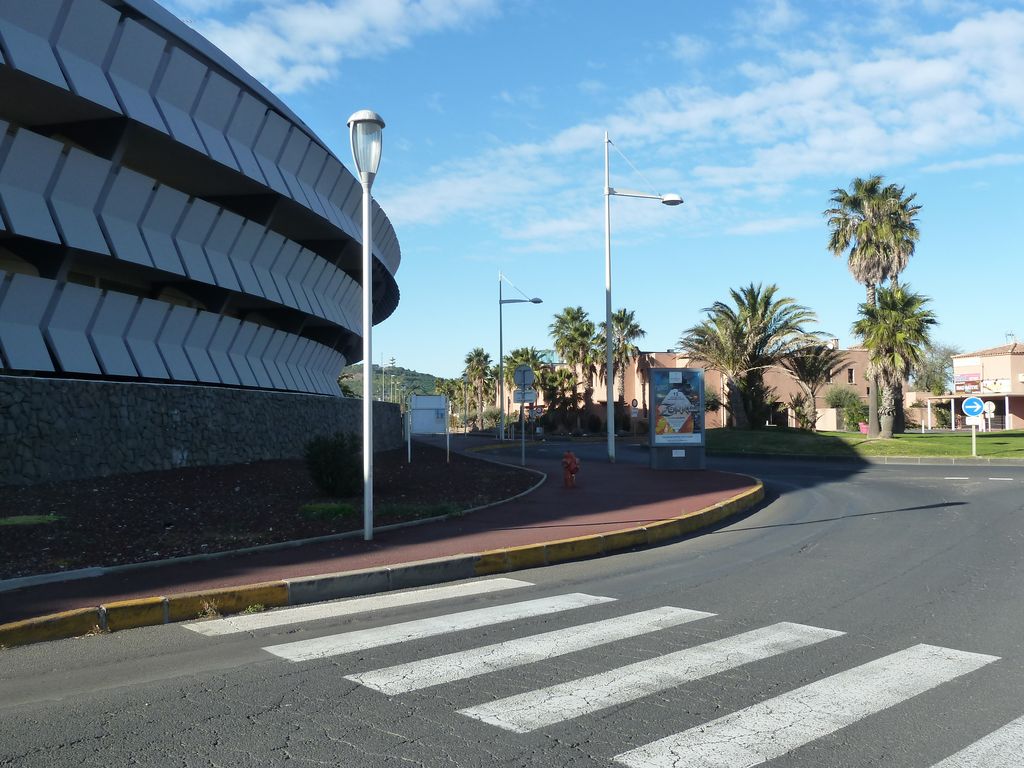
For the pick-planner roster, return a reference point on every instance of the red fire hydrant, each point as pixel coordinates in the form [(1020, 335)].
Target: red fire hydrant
[(570, 466)]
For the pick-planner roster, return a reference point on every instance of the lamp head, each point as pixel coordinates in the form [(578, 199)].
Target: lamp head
[(536, 301), (366, 131), (671, 199)]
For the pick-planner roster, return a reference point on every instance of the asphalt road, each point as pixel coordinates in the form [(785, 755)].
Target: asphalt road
[(860, 617)]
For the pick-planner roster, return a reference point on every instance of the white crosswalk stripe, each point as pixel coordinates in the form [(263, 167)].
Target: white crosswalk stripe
[(1000, 749), (527, 650), (392, 634), (772, 728), (317, 611), (536, 709)]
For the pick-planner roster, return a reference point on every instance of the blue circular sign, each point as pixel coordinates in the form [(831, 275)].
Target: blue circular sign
[(973, 406)]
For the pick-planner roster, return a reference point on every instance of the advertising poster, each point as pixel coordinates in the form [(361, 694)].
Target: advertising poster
[(677, 406)]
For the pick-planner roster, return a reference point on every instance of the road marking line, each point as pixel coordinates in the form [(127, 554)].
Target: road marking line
[(250, 622), (957, 478), (526, 650), (528, 711), (1001, 478), (391, 634), (772, 728), (1000, 749)]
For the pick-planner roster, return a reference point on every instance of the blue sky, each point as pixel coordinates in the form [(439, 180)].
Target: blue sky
[(752, 110)]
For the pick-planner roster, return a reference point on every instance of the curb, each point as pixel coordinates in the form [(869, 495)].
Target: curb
[(153, 611), (20, 582), (927, 461)]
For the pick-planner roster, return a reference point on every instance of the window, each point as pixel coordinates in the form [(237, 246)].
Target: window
[(849, 376)]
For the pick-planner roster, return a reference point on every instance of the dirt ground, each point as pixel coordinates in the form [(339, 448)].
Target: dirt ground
[(156, 515)]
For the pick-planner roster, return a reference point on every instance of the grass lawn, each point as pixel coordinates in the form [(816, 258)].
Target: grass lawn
[(994, 445)]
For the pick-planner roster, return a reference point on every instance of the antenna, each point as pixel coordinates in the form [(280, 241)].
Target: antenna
[(1011, 337)]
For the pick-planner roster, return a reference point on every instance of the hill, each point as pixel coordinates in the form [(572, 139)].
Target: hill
[(397, 382)]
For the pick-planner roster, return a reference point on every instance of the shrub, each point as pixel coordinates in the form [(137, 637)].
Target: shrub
[(328, 511), (849, 404), (335, 464), (802, 412), (593, 422)]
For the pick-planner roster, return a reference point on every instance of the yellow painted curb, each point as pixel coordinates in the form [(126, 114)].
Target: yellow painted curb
[(574, 549), (528, 556), (192, 605), (56, 626), (487, 563), (128, 614), (616, 541)]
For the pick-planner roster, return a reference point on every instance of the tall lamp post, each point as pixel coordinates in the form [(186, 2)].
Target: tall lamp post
[(366, 132), (501, 351), (670, 199)]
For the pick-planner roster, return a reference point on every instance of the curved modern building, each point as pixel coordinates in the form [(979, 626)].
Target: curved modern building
[(163, 216)]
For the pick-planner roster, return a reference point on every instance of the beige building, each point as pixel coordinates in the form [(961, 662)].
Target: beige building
[(850, 374), (996, 375)]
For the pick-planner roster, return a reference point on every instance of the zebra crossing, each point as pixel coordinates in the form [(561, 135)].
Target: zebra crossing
[(747, 737)]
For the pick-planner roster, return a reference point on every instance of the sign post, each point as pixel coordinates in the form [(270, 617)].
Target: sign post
[(524, 377), (973, 407)]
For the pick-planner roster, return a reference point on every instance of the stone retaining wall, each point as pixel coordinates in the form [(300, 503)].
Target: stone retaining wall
[(62, 429)]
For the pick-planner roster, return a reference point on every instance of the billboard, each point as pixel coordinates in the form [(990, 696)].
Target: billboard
[(677, 406)]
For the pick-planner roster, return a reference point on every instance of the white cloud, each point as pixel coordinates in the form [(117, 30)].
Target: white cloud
[(990, 161), (771, 226), (292, 46), (689, 47), (814, 116)]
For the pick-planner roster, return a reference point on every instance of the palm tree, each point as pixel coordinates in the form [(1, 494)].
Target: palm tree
[(895, 332), (813, 367), (530, 356), (558, 385), (478, 364), (874, 225), (572, 332), (625, 331), (743, 341)]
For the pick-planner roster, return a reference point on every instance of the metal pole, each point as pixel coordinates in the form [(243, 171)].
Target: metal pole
[(522, 436), (501, 366), (367, 365), (609, 372), (974, 439)]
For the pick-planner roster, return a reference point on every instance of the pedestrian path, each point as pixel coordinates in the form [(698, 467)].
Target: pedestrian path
[(749, 736)]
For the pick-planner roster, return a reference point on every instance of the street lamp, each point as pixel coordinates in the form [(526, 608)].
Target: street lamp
[(670, 199), (501, 352), (365, 131)]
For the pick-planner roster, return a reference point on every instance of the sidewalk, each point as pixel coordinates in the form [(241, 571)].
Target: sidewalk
[(608, 498)]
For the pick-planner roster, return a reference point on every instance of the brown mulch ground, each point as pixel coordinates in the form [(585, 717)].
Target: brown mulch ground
[(156, 515)]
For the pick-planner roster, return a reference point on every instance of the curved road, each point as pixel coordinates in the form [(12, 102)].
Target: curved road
[(862, 616)]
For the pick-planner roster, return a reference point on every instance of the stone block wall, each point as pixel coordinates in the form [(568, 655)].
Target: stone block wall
[(62, 429)]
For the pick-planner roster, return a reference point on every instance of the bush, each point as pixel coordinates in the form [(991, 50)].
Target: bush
[(849, 404), (335, 464), (593, 423), (801, 405)]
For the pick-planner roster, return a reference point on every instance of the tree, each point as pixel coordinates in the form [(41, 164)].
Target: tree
[(745, 340), (625, 332), (895, 331), (934, 373), (874, 225), (812, 367), (523, 356), (572, 332), (478, 364), (558, 385)]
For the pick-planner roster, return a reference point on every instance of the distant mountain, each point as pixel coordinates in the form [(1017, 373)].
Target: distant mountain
[(398, 382)]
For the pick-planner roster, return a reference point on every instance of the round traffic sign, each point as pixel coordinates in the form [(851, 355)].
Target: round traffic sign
[(524, 376), (990, 407), (634, 403), (973, 406)]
